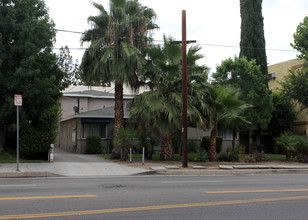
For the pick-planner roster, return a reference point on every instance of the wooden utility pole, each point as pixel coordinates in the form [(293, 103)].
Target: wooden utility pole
[(184, 43), (184, 91)]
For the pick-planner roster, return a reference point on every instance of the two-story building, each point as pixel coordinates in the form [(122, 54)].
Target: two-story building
[(277, 72), (90, 111), (87, 112)]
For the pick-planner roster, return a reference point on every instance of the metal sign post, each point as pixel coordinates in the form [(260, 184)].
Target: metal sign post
[(17, 103)]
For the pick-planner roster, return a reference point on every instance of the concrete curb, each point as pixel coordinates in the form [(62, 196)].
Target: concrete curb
[(175, 170), (235, 172), (27, 174), (150, 172), (197, 172)]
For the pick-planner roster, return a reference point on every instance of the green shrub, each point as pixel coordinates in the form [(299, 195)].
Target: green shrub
[(203, 157), (232, 157), (240, 149), (218, 144), (192, 147), (93, 144), (205, 143), (126, 138), (293, 146), (34, 143), (255, 157), (36, 137)]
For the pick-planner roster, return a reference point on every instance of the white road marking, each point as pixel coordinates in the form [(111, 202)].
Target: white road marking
[(25, 185), (204, 181)]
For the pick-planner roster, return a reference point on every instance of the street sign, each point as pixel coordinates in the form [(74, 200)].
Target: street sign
[(17, 103), (18, 100)]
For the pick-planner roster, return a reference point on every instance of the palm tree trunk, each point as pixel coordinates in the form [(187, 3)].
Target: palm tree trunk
[(125, 153), (166, 149), (118, 117), (212, 149)]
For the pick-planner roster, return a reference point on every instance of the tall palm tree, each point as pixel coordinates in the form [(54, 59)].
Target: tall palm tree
[(115, 54), (225, 107), (160, 108)]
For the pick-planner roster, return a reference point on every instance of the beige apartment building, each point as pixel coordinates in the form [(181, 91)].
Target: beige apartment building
[(276, 74)]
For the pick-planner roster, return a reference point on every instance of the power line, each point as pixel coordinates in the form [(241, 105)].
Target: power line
[(201, 44), (153, 40), (255, 48)]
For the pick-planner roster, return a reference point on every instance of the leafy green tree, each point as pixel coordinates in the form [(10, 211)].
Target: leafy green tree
[(301, 39), (224, 105), (27, 64), (295, 85), (126, 138), (160, 108), (252, 33), (69, 67), (36, 138), (283, 116), (246, 76), (117, 39)]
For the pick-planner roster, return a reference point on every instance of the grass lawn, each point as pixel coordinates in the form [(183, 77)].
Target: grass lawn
[(277, 157), (6, 157)]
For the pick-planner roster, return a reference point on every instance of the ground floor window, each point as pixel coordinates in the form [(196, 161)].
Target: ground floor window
[(227, 135), (99, 129)]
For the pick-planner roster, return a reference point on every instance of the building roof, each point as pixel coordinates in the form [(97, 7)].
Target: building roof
[(103, 113), (94, 94)]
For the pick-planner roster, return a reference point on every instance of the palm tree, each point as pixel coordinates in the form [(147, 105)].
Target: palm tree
[(115, 54), (160, 108), (225, 107)]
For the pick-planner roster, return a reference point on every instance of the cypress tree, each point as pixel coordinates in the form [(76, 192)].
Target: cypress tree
[(252, 33)]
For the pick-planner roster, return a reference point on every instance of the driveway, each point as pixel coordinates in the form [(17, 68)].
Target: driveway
[(64, 156), (70, 164)]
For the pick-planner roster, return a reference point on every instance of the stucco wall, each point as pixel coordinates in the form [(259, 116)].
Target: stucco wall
[(194, 134), (71, 139), (67, 104), (85, 104), (67, 136), (281, 70)]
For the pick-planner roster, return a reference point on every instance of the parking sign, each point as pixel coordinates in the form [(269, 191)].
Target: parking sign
[(18, 100)]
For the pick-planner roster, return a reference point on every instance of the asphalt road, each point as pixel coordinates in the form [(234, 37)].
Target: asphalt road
[(156, 197)]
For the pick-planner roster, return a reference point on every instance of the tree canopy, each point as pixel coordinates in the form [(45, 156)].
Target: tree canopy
[(69, 68), (224, 107), (160, 108), (301, 39), (295, 85), (27, 64), (246, 76), (117, 38), (283, 116)]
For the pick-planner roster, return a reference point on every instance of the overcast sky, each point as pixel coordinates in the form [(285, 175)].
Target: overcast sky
[(215, 24)]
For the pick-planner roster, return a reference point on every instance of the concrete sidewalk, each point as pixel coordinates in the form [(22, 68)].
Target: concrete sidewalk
[(81, 165), (70, 169), (71, 165), (90, 169)]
